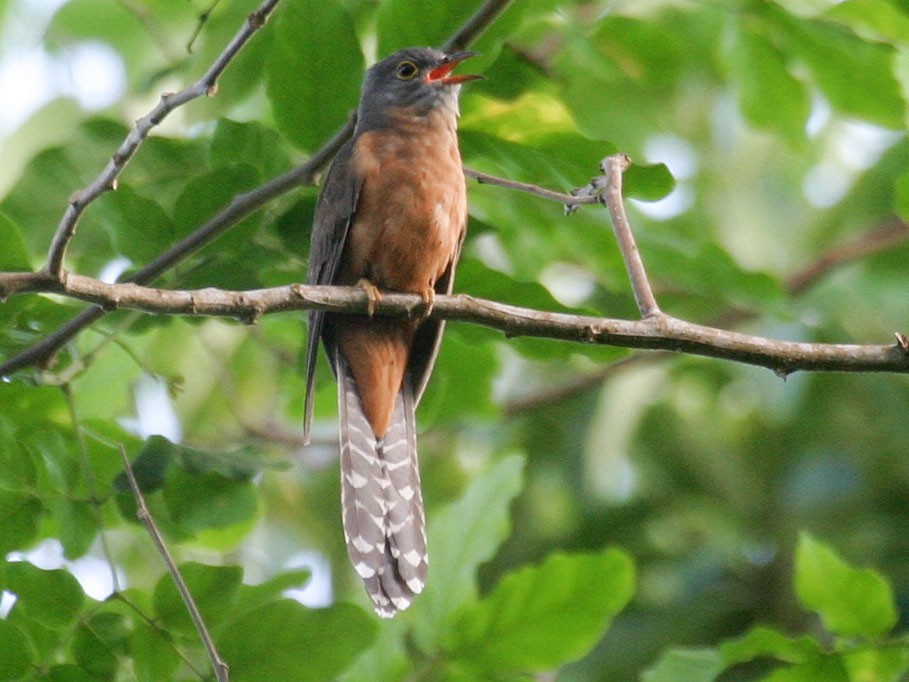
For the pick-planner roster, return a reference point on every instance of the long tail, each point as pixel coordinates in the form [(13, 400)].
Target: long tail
[(381, 501)]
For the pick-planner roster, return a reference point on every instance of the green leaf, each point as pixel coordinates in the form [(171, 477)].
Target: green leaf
[(252, 142), (540, 617), (98, 642), (78, 524), (314, 71), (252, 597), (826, 668), (685, 665), (199, 502), (20, 516), (150, 465), (405, 23), (13, 252), (153, 652), (461, 537), (764, 641), (876, 19), (19, 465), (15, 652), (208, 194), (877, 663), (213, 588), (288, 642), (647, 182), (901, 191), (844, 66), (51, 597), (210, 489), (851, 602), (139, 228), (68, 673), (769, 96)]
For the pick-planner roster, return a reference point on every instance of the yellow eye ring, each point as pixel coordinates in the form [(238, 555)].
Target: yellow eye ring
[(407, 70)]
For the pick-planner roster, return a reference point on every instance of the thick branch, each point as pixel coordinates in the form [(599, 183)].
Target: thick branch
[(656, 332)]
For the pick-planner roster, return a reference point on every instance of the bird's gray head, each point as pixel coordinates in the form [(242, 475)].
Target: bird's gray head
[(417, 79)]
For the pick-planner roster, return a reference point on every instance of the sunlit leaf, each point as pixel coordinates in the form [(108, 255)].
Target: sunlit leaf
[(851, 602)]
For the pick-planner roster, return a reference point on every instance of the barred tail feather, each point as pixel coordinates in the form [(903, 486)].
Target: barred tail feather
[(381, 501)]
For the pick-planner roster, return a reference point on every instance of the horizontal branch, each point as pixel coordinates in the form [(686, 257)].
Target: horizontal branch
[(656, 332)]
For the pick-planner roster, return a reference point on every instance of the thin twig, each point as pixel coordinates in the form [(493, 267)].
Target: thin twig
[(569, 200), (222, 671), (611, 196), (203, 18), (880, 239), (107, 180), (474, 26)]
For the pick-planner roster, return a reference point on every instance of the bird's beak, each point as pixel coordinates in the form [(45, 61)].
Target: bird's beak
[(441, 74)]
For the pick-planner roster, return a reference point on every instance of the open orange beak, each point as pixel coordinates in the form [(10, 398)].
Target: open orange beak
[(441, 74)]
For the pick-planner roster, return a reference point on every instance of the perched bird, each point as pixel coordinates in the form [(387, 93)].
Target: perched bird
[(391, 216)]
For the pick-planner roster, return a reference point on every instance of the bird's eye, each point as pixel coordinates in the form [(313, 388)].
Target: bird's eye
[(406, 70)]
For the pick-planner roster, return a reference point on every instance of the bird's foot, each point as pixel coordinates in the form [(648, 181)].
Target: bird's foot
[(373, 295), (429, 300)]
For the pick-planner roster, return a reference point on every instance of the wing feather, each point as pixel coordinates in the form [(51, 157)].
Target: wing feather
[(334, 215)]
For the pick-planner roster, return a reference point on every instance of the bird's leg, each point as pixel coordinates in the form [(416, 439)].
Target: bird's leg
[(373, 295)]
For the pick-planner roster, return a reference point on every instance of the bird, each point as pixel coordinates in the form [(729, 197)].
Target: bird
[(391, 216)]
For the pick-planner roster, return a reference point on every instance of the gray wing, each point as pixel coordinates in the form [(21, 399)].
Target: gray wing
[(429, 335), (334, 214)]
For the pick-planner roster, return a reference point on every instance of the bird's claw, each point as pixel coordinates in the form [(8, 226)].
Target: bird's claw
[(429, 300), (373, 295)]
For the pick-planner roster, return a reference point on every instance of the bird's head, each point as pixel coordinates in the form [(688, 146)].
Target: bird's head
[(419, 79)]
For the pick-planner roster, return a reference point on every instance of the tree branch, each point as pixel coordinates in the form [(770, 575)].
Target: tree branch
[(656, 332), (107, 180), (611, 197)]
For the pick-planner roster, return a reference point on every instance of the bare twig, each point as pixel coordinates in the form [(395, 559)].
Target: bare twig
[(474, 26), (222, 671), (107, 180), (203, 18), (880, 239), (611, 197), (569, 200)]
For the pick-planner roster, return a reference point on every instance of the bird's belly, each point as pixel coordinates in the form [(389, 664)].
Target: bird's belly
[(414, 210)]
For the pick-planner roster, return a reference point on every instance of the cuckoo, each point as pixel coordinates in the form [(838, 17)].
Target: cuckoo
[(391, 216)]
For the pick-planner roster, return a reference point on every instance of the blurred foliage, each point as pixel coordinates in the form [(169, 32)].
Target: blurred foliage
[(593, 513)]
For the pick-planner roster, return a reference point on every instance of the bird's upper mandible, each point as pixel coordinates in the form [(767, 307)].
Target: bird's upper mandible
[(415, 79)]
